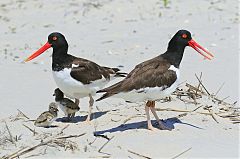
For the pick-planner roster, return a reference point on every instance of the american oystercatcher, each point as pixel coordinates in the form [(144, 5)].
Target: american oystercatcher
[(76, 77), (156, 78), (46, 118), (66, 105)]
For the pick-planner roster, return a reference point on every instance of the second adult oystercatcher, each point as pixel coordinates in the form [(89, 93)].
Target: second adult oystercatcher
[(76, 77), (156, 78)]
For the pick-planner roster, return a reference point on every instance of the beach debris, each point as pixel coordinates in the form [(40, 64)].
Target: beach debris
[(100, 149), (57, 141), (138, 154), (198, 95), (182, 153)]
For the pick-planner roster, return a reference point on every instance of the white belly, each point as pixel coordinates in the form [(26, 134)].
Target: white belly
[(75, 89), (46, 123), (153, 94)]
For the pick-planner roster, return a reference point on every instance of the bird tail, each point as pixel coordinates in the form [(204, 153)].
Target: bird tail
[(106, 95), (115, 72), (109, 91)]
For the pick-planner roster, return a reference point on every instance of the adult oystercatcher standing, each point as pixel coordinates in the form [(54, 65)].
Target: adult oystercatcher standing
[(156, 78), (76, 77)]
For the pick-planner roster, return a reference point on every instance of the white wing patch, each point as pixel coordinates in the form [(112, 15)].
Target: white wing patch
[(74, 65)]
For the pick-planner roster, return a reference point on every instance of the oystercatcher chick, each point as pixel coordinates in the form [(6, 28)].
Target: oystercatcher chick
[(76, 77), (156, 78), (66, 105), (46, 118)]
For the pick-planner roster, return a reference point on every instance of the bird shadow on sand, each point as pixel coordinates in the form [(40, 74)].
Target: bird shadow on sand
[(78, 119), (170, 122)]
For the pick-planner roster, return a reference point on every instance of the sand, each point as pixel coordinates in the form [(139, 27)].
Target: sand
[(119, 33)]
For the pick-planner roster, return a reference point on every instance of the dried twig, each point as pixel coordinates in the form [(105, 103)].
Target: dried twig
[(23, 114), (219, 89), (135, 153), (65, 127), (10, 134), (100, 149), (213, 97), (182, 153), (180, 110), (198, 84), (20, 153), (33, 131), (213, 115), (202, 84), (37, 154), (8, 157), (107, 156), (70, 136), (135, 116), (190, 102)]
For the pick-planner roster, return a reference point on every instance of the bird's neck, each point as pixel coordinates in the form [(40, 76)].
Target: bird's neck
[(60, 52), (58, 98), (174, 54), (59, 57)]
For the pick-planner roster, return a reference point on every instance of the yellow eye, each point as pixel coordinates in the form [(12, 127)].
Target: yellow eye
[(184, 36), (54, 38)]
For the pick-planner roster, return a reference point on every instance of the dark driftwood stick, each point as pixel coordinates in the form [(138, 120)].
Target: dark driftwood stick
[(135, 153)]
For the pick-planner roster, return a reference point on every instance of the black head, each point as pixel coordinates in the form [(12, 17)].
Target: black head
[(58, 94), (180, 40), (177, 45), (53, 107), (57, 40)]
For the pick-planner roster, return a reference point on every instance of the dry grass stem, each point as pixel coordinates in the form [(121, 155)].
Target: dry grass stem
[(32, 130), (100, 149), (182, 153), (138, 154), (23, 114)]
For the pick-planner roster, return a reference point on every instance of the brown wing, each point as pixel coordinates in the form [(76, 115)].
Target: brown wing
[(44, 117), (151, 73), (87, 71)]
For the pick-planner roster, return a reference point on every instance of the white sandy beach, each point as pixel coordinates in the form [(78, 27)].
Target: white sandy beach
[(119, 33)]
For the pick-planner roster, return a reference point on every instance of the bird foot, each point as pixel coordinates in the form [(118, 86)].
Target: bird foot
[(150, 127), (88, 120)]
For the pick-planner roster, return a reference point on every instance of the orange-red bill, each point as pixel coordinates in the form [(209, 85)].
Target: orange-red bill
[(38, 52), (200, 49)]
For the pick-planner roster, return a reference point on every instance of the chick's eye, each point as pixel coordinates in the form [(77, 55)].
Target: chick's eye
[(184, 36), (54, 38)]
